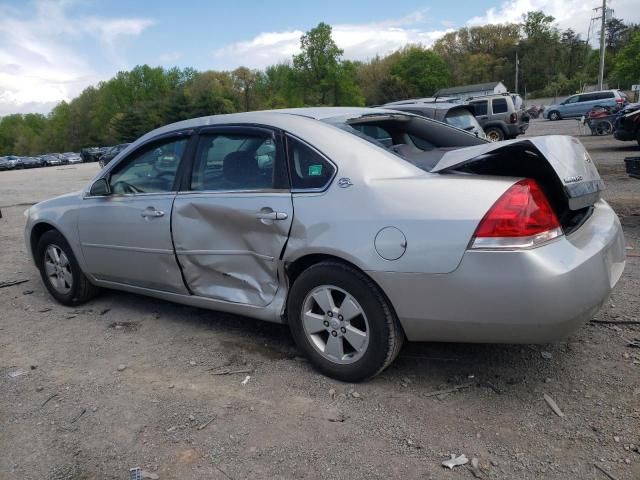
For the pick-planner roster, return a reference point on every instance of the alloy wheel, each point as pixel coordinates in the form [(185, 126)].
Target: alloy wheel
[(335, 324), (58, 269)]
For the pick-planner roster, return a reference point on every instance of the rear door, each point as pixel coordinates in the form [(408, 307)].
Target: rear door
[(481, 109), (231, 222)]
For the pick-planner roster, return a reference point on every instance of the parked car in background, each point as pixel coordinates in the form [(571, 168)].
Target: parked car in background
[(4, 164), (578, 105), (500, 116), (441, 236), (456, 115), (31, 162), (92, 154), (51, 159), (72, 157), (627, 123), (110, 154), (12, 162)]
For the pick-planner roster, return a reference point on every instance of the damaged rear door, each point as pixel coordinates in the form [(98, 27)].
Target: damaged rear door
[(232, 222)]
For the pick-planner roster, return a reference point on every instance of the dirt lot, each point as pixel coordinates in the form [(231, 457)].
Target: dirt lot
[(73, 414)]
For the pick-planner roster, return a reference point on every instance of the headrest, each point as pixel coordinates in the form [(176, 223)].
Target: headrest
[(240, 167)]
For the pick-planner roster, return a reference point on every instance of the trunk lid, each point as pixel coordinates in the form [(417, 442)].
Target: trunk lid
[(560, 162)]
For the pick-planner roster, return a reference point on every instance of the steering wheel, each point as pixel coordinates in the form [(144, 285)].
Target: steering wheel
[(124, 188)]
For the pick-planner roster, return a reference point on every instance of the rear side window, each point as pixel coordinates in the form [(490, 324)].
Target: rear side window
[(499, 105), (604, 95), (308, 169), (588, 97), (243, 161), (480, 107)]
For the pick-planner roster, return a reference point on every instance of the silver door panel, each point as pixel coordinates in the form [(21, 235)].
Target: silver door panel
[(123, 240)]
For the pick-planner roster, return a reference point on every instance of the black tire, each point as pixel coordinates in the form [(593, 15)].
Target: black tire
[(554, 115), (494, 134), (385, 334), (81, 289)]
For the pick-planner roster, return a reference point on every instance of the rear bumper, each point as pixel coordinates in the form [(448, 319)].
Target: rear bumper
[(528, 296)]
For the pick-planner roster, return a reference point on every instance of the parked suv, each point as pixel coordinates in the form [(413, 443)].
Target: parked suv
[(578, 105), (502, 116)]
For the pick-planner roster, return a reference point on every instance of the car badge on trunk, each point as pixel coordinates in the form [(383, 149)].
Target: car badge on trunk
[(345, 182)]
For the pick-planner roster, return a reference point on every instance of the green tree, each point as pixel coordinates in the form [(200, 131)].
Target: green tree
[(318, 63), (627, 62), (421, 70)]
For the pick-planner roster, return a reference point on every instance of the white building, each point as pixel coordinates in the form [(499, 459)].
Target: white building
[(474, 90)]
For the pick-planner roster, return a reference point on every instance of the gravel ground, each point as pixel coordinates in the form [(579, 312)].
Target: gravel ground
[(127, 381)]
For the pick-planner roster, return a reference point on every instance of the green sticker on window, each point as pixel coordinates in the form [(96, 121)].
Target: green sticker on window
[(315, 170)]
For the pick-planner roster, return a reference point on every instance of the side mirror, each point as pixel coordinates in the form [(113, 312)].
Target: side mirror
[(100, 188)]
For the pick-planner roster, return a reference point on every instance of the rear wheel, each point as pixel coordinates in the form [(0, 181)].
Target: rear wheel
[(554, 115), (603, 127), (494, 134), (342, 321), (60, 271)]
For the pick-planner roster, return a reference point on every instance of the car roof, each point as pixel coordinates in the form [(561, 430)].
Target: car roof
[(433, 106), (283, 118)]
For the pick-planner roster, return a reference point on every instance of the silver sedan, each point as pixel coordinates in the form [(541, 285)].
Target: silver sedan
[(356, 227)]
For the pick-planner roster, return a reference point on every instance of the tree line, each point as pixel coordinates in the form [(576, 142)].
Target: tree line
[(552, 62)]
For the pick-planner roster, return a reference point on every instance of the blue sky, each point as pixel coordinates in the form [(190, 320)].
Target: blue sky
[(52, 49)]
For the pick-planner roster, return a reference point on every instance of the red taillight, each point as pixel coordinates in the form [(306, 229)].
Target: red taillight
[(521, 218), (514, 117), (619, 100)]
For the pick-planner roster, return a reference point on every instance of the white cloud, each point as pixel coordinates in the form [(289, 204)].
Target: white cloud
[(169, 57), (40, 63), (359, 42), (575, 14)]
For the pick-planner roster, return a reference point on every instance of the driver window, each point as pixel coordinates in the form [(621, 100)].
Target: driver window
[(573, 99), (151, 170)]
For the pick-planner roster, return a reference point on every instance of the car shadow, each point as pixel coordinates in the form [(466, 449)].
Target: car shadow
[(498, 366)]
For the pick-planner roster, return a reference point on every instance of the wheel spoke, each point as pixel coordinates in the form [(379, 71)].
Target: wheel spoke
[(49, 268), (68, 277), (356, 337), (324, 300), (63, 260), (349, 308), (56, 282), (334, 347), (54, 254), (313, 323)]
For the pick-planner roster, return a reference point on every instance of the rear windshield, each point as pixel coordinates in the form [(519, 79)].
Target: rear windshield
[(462, 119), (419, 140)]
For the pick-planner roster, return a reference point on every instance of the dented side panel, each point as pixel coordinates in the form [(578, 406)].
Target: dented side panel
[(225, 249)]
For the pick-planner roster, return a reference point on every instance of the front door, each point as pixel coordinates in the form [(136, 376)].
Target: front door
[(126, 236), (231, 225)]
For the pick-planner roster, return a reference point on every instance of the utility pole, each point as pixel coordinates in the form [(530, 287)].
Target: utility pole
[(602, 44), (516, 88)]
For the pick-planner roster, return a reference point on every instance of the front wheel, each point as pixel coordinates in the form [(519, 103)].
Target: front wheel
[(554, 116), (60, 271), (342, 321)]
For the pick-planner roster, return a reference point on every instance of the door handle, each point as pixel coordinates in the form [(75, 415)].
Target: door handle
[(151, 212), (272, 216)]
